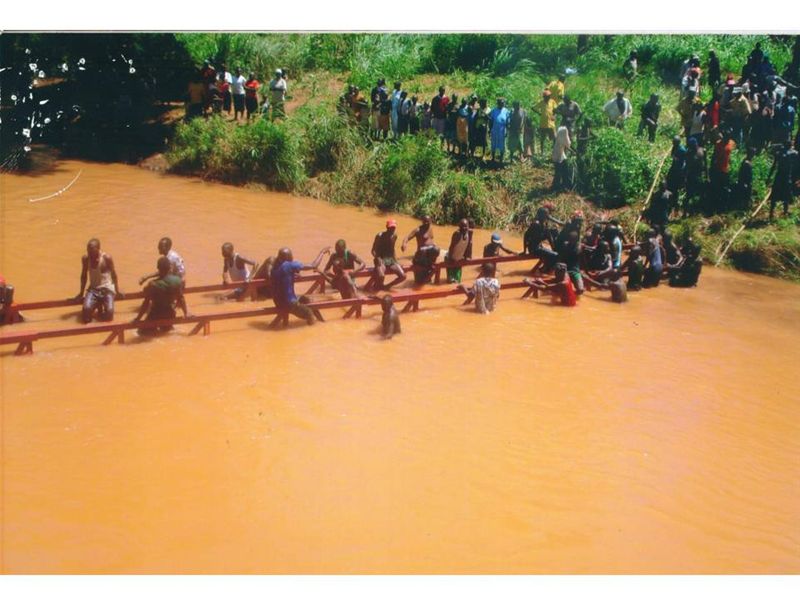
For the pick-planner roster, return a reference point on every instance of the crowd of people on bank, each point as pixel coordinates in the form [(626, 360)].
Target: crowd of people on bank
[(217, 91), (755, 111)]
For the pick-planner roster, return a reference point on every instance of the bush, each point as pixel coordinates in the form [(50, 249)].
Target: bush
[(197, 146), (266, 152), (453, 197), (262, 151), (408, 168), (772, 251), (616, 168), (325, 136)]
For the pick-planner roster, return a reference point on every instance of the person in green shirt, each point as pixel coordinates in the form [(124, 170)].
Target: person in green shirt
[(161, 296)]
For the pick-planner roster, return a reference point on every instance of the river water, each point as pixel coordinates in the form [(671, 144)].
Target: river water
[(660, 436)]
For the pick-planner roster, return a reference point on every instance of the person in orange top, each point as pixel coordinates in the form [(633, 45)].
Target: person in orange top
[(251, 95), (561, 290), (720, 167)]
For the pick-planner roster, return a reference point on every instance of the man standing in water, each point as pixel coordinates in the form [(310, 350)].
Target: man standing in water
[(282, 280), (460, 249), (177, 266), (485, 291), (160, 298), (383, 252), (103, 286)]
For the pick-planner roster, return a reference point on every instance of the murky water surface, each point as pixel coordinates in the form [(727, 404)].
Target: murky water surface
[(661, 436)]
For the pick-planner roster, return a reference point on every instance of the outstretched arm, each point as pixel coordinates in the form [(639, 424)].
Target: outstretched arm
[(408, 239), (315, 264)]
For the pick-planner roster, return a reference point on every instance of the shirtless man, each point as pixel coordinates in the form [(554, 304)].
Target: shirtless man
[(177, 265), (460, 249), (103, 286), (161, 296), (235, 269), (423, 234), (494, 247), (385, 260)]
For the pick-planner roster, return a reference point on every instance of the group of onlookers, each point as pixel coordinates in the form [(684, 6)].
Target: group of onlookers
[(214, 91), (755, 112)]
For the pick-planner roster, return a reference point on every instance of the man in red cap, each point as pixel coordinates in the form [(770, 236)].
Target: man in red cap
[(383, 251)]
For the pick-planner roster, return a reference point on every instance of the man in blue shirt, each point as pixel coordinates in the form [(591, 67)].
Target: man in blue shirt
[(282, 281)]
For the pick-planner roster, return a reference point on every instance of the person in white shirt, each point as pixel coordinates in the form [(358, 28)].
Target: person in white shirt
[(227, 97), (560, 147), (485, 291), (237, 91), (618, 110), (277, 89)]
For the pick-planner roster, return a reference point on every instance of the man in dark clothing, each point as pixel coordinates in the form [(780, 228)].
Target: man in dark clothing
[(161, 296), (660, 207), (570, 112), (651, 110), (535, 235), (676, 176), (785, 170), (696, 176), (744, 183), (714, 75)]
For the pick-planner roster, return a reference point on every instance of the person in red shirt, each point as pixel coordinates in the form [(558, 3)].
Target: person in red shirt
[(561, 290), (251, 95), (720, 167), (439, 112)]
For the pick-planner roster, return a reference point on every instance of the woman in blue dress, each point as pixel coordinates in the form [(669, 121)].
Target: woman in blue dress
[(498, 122)]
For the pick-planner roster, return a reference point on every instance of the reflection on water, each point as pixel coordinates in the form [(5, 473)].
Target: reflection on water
[(659, 436)]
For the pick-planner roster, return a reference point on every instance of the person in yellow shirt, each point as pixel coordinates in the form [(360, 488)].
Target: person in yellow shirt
[(686, 111), (557, 88), (545, 108)]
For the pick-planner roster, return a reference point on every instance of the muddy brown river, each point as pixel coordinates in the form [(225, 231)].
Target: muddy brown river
[(660, 436)]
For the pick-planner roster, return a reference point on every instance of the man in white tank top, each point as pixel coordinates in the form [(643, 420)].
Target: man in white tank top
[(98, 267), (235, 268)]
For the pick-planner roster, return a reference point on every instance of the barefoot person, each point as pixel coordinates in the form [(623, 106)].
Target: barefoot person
[(235, 268), (385, 260), (161, 296), (282, 280), (177, 266), (485, 291), (103, 286)]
